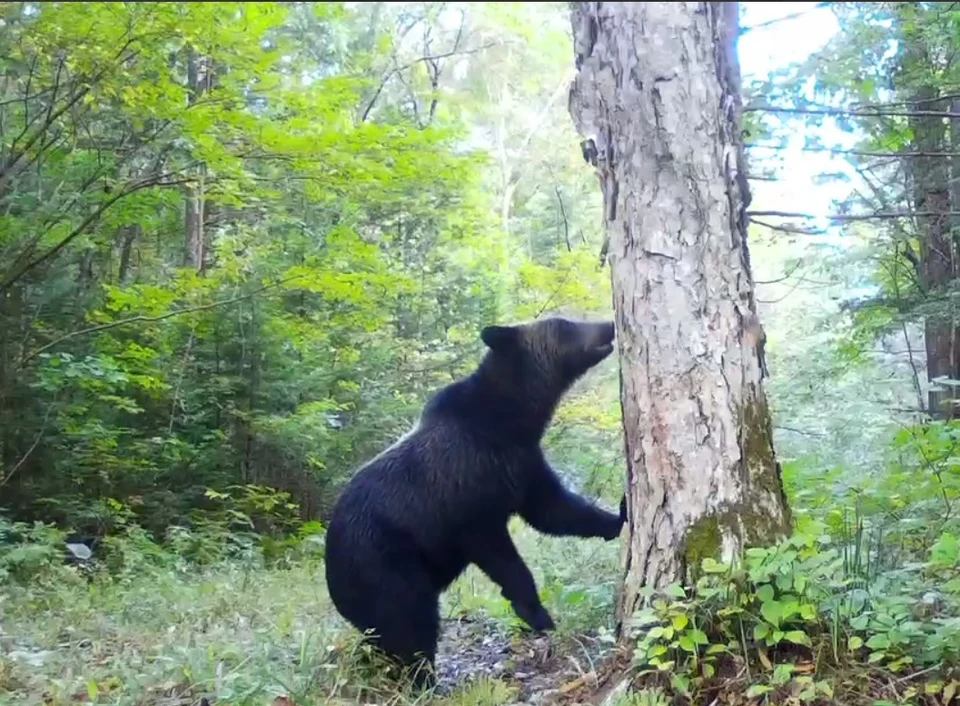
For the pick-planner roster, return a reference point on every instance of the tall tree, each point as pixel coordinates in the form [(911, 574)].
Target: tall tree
[(918, 80), (657, 98)]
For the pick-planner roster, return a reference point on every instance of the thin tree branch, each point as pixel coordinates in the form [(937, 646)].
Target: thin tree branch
[(563, 214), (786, 228), (33, 446), (82, 227), (851, 112), (787, 276), (857, 153), (882, 215), (913, 101), (797, 431), (10, 169), (153, 319), (399, 69), (789, 292), (785, 18)]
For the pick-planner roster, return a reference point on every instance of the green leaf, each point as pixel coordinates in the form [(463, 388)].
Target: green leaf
[(878, 642), (798, 637), (946, 550), (680, 621), (765, 593), (675, 590), (854, 643), (760, 631), (782, 673), (712, 566), (758, 690), (771, 611)]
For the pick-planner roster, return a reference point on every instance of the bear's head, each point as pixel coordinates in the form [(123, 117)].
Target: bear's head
[(546, 356)]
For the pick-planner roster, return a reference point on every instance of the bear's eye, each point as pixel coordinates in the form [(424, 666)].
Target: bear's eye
[(566, 332)]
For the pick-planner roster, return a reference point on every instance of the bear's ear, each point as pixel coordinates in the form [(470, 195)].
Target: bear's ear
[(499, 338)]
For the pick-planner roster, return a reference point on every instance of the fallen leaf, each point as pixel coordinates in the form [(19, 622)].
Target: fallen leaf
[(948, 691), (572, 685)]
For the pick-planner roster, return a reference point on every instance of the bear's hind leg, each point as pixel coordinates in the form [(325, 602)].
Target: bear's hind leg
[(408, 630), (380, 585)]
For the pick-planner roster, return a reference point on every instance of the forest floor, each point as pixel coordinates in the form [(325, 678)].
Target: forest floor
[(269, 637), (536, 669), (164, 633), (160, 631)]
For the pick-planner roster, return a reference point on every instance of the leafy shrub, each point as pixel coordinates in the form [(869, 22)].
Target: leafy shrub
[(788, 610), (30, 552)]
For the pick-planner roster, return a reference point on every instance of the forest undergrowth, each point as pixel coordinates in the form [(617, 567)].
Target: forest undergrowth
[(860, 606)]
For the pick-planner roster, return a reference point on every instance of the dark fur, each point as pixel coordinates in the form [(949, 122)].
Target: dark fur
[(413, 518)]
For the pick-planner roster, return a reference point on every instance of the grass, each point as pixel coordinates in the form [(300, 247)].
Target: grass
[(241, 633)]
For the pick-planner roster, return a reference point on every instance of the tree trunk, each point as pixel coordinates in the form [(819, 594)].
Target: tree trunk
[(917, 81), (954, 243), (938, 256), (199, 81), (657, 97), (127, 237)]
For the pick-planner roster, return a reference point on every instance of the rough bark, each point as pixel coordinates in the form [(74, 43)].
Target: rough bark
[(657, 99)]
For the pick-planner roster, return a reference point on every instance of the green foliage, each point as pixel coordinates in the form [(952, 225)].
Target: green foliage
[(644, 697), (865, 593), (229, 257), (794, 612), (241, 242), (29, 552)]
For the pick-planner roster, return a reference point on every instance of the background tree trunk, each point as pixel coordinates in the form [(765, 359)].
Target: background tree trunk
[(657, 97), (199, 82), (937, 265)]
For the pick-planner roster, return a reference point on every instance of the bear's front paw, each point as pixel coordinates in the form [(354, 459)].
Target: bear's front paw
[(623, 508), (536, 617)]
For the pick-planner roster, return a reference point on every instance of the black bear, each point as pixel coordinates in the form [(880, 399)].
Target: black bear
[(412, 519)]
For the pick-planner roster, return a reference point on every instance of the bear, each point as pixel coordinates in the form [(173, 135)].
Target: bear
[(412, 519)]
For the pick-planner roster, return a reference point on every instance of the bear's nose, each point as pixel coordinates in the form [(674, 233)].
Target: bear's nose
[(608, 331)]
